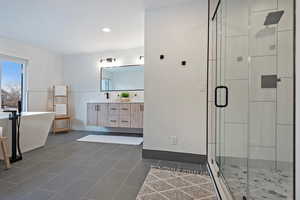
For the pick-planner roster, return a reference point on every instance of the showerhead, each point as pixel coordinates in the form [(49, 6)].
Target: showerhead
[(273, 17)]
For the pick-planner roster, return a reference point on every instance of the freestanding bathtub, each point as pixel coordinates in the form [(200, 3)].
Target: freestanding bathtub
[(34, 129)]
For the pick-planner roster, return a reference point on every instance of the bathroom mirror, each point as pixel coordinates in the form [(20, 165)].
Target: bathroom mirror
[(122, 78)]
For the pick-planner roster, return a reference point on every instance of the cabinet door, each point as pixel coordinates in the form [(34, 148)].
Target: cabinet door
[(92, 114), (137, 114), (113, 121), (103, 114)]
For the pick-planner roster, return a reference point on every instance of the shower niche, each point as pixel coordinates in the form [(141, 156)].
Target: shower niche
[(251, 139)]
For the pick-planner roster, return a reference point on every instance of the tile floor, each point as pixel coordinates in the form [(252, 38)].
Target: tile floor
[(264, 184), (70, 170)]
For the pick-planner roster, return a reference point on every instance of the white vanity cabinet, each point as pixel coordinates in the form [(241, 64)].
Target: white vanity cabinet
[(122, 115)]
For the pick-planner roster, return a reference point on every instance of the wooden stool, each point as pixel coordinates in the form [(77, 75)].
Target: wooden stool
[(4, 147)]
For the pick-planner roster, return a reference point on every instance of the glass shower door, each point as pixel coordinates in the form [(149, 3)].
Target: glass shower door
[(231, 97), (251, 71)]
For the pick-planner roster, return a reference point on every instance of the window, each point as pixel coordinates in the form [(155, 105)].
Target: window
[(12, 82)]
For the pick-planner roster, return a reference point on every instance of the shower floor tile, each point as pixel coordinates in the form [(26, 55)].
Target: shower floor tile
[(264, 184)]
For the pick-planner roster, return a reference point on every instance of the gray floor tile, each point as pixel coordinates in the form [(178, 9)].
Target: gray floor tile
[(63, 180), (138, 175), (66, 169), (38, 195), (108, 186), (78, 189), (5, 186), (23, 175), (126, 193), (126, 164)]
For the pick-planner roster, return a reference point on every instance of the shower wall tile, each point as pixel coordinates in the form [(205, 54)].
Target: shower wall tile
[(212, 81), (285, 54), (262, 38), (237, 58), (237, 17), (261, 153), (262, 66), (287, 21), (212, 40), (236, 140), (262, 124), (237, 110), (220, 134), (285, 100), (285, 143), (211, 123), (259, 5)]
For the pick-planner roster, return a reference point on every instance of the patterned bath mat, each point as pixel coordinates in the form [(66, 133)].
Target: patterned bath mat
[(163, 184)]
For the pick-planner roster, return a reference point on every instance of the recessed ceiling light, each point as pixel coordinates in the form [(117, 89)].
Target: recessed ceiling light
[(106, 30)]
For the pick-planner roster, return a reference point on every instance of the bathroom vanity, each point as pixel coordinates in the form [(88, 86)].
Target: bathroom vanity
[(115, 115)]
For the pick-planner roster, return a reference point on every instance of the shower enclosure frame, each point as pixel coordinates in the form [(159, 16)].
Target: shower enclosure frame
[(221, 187)]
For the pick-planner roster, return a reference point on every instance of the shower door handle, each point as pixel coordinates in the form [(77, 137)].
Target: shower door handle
[(226, 97)]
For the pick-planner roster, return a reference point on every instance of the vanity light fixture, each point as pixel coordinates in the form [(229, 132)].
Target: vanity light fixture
[(108, 60), (106, 30)]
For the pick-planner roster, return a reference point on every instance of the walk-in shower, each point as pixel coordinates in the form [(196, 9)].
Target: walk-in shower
[(251, 98)]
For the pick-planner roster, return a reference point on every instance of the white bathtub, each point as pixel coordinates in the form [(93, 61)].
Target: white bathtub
[(34, 130)]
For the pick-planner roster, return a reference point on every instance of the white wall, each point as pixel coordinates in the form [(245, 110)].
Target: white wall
[(44, 69), (175, 96), (82, 73)]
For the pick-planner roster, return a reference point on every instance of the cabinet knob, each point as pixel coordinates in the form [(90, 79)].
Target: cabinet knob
[(124, 121)]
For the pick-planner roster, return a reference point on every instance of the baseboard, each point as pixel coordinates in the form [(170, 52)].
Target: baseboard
[(175, 156)]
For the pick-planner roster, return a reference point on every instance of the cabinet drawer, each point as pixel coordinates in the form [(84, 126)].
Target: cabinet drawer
[(124, 121), (125, 109), (113, 121), (114, 109)]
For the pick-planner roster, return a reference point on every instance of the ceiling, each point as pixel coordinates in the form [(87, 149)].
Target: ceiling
[(74, 26)]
